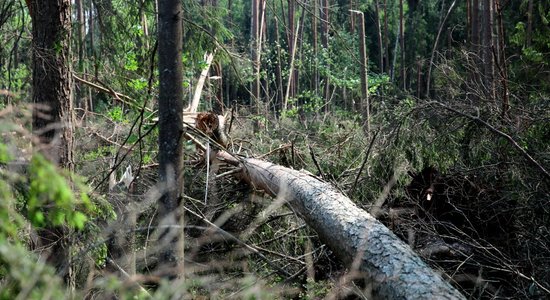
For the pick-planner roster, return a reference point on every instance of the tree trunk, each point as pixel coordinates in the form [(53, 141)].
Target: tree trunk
[(52, 112), (474, 34), (315, 41), (291, 48), (487, 50), (402, 40), (379, 38), (325, 22), (369, 248), (278, 71), (529, 33), (364, 104), (386, 40), (502, 62), (170, 133), (351, 17), (436, 42)]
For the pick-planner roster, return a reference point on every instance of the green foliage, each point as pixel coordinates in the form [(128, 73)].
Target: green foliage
[(48, 188), (26, 276)]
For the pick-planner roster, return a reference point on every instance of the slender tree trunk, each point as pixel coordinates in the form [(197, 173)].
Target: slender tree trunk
[(503, 65), (300, 33), (291, 45), (474, 35), (364, 105), (469, 20), (170, 133), (81, 33), (487, 49), (278, 70), (368, 248), (351, 17), (436, 42), (315, 79), (379, 37), (81, 45), (91, 49), (291, 71), (325, 25), (218, 106), (418, 78), (402, 40), (144, 24), (53, 112), (254, 38), (476, 75), (529, 33), (386, 40)]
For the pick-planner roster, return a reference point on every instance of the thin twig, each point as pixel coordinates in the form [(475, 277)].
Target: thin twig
[(321, 175), (111, 92), (364, 163)]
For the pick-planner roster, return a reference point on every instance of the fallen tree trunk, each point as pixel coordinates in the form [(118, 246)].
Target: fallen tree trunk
[(356, 237)]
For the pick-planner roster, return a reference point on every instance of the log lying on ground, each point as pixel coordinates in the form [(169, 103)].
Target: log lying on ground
[(356, 237)]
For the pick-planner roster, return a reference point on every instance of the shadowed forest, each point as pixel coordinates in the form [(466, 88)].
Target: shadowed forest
[(282, 149)]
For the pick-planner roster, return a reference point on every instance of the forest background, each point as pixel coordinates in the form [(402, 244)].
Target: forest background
[(432, 115)]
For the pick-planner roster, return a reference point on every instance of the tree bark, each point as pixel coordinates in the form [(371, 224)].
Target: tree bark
[(292, 33), (357, 238), (325, 26), (255, 56), (315, 41), (502, 62), (402, 40), (379, 37), (364, 105), (386, 40), (529, 33), (52, 112), (170, 133), (487, 50), (278, 71)]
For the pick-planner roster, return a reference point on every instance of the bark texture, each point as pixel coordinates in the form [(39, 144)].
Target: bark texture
[(52, 111), (170, 130), (52, 114), (355, 236)]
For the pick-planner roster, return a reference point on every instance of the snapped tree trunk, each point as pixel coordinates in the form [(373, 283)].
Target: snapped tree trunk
[(352, 234)]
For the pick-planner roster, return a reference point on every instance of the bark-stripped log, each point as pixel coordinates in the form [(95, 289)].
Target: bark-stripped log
[(355, 236)]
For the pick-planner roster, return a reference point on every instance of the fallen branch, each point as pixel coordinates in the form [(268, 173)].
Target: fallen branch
[(120, 97)]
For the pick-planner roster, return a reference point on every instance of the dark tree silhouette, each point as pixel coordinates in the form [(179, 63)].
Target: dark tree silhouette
[(170, 131)]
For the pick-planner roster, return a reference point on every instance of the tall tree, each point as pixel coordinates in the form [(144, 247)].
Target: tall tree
[(315, 41), (502, 61), (325, 26), (529, 33), (170, 132), (254, 46), (364, 105), (402, 40), (379, 37), (487, 48), (52, 97), (386, 39), (291, 45)]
